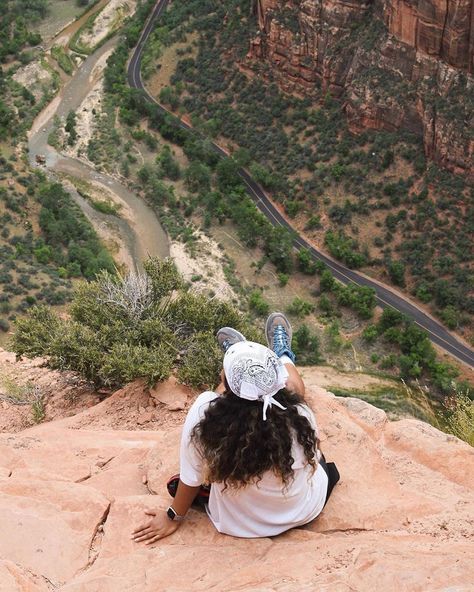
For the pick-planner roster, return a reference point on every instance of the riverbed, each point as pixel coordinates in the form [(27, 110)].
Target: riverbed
[(140, 233)]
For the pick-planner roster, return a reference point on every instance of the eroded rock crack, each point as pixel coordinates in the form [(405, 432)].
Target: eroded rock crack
[(96, 541)]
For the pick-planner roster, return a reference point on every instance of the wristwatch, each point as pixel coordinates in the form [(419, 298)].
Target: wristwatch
[(172, 515)]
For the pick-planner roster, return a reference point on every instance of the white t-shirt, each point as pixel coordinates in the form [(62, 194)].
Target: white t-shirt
[(262, 509)]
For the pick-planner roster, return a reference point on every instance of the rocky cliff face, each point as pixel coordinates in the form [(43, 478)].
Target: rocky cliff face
[(71, 491), (396, 64), (442, 29)]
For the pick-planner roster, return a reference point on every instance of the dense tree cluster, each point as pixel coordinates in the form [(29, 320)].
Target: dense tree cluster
[(72, 242), (17, 16)]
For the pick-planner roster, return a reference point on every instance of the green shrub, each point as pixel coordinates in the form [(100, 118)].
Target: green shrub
[(370, 333), (359, 298), (345, 249), (136, 326), (305, 262), (460, 415), (62, 58), (306, 346), (258, 304), (300, 308)]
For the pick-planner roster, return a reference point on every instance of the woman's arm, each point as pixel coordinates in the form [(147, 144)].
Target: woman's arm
[(160, 526)]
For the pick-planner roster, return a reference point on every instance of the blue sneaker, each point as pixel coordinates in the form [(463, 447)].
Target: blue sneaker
[(279, 333), (227, 337)]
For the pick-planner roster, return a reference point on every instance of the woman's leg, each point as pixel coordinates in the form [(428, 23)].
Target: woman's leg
[(294, 383), (279, 333)]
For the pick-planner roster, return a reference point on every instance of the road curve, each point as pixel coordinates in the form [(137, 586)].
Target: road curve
[(384, 295)]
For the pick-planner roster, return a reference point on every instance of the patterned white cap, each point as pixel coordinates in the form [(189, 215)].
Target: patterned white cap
[(255, 373)]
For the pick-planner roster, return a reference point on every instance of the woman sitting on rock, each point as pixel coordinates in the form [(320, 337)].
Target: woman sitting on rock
[(255, 441)]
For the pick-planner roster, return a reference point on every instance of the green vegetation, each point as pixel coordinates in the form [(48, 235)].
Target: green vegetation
[(213, 191), (69, 239), (410, 223), (64, 59), (70, 128), (18, 104), (45, 242), (258, 304), (460, 415), (23, 394), (122, 328), (15, 36)]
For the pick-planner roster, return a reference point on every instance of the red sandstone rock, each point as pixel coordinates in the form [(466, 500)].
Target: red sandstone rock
[(16, 579), (401, 517), (171, 394)]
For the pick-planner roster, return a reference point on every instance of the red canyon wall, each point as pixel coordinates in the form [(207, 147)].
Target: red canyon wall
[(397, 64)]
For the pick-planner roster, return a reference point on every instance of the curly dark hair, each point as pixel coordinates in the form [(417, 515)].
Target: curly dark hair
[(238, 446)]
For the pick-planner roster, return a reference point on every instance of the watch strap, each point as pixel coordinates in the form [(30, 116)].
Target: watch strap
[(173, 515)]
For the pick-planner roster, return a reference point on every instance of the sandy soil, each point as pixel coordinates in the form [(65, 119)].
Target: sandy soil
[(207, 261), (327, 377), (86, 112), (85, 121), (34, 77), (110, 19), (65, 395)]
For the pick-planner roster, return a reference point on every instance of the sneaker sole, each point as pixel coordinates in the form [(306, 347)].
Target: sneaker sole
[(228, 333), (269, 324)]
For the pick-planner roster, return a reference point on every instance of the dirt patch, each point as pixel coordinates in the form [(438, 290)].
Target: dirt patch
[(202, 264), (35, 77), (62, 394), (168, 62), (327, 377)]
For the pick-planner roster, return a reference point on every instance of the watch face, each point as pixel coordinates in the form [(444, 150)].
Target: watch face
[(171, 513)]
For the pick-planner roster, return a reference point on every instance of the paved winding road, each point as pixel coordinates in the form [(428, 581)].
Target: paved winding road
[(385, 296)]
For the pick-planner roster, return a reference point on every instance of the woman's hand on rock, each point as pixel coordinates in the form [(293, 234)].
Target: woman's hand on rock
[(159, 527)]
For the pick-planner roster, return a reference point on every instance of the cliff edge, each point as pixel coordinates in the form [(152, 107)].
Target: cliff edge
[(71, 491)]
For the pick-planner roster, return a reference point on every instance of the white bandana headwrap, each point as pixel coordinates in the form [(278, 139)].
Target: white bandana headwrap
[(255, 373)]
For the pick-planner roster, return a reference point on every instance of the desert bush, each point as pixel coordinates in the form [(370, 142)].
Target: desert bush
[(306, 346), (300, 308), (135, 326), (460, 415), (258, 304)]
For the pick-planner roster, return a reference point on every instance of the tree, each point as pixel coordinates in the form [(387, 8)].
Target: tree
[(278, 246), (305, 262), (327, 281), (167, 165), (197, 177), (258, 304), (70, 128), (390, 318), (300, 308), (396, 271)]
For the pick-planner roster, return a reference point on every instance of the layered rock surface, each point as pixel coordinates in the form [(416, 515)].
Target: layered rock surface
[(398, 64), (72, 490)]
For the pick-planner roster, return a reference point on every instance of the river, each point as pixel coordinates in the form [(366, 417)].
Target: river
[(141, 233)]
